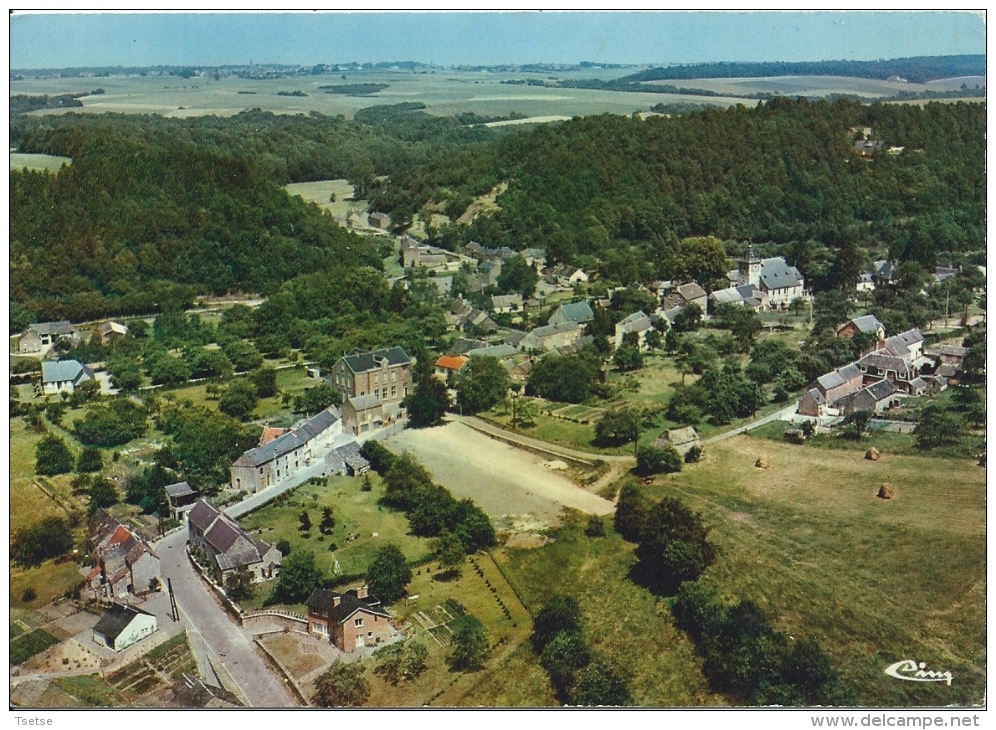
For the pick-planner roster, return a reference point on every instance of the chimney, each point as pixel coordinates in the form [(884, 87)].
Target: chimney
[(361, 592), (336, 600)]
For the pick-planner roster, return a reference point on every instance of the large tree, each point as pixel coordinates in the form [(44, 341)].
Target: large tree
[(238, 400), (559, 613), (299, 576), (480, 384), (388, 574), (428, 402), (673, 547), (52, 456), (517, 276), (470, 644)]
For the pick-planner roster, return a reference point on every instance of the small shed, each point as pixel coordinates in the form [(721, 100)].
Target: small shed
[(181, 497), (123, 626), (682, 439)]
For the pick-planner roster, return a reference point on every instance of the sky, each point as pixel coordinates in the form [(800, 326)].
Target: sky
[(453, 38)]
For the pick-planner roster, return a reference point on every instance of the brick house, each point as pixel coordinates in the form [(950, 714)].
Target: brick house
[(830, 388), (385, 374), (123, 563), (350, 620), (362, 414)]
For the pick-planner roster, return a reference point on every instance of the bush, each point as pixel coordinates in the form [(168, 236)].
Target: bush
[(693, 455), (29, 595), (33, 545), (654, 460), (89, 461)]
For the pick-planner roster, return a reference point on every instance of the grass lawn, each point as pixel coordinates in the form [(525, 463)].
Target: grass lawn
[(28, 503), (355, 511), (875, 581)]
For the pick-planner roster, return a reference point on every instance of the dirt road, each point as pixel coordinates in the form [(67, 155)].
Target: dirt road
[(501, 479)]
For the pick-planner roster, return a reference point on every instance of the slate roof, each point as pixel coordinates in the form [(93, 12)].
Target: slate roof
[(514, 337), (324, 600), (180, 489), (462, 346), (899, 345), (361, 362), (62, 327), (918, 384), (884, 362), (839, 377), (202, 515), (882, 389), (492, 351), (61, 371), (116, 620), (270, 450), (222, 535), (577, 312), (363, 402), (777, 274), (680, 436), (868, 323), (636, 322), (351, 456), (730, 295), (499, 301), (691, 291)]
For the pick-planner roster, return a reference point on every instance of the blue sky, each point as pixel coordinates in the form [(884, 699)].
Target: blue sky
[(449, 38)]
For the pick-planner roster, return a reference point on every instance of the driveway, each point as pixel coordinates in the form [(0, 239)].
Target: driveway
[(214, 637)]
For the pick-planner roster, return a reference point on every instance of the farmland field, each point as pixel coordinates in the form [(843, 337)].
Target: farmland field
[(819, 85), (445, 92), (320, 191)]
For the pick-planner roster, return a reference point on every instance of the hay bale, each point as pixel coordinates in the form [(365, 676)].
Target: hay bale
[(762, 463), (872, 454), (886, 491)]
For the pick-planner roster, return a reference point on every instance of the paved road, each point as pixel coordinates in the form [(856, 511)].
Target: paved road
[(213, 633)]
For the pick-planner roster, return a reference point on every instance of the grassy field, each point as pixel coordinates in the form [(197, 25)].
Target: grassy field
[(356, 512), (27, 645), (48, 163), (90, 691), (875, 581), (813, 85), (320, 191)]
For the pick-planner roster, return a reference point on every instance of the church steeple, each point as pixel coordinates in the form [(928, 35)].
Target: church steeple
[(750, 266)]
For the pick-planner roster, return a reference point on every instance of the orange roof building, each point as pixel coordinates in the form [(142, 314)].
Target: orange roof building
[(270, 433), (448, 364)]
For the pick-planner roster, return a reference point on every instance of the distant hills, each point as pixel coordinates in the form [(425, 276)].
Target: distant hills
[(918, 69)]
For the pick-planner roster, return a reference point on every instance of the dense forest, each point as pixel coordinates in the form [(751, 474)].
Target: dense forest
[(783, 172), (916, 69), (155, 208)]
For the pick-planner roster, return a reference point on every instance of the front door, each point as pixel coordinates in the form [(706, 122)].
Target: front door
[(359, 642)]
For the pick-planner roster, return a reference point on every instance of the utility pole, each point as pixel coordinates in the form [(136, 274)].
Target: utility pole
[(172, 600)]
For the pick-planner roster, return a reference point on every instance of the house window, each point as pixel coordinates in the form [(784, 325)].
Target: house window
[(261, 471), (358, 622), (370, 633), (902, 376), (394, 390)]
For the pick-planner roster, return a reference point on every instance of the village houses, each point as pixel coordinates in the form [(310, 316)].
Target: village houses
[(123, 564), (227, 547), (780, 283)]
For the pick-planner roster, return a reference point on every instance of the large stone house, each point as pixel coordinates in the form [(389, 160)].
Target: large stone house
[(876, 398), (782, 284), (123, 564), (282, 457), (63, 376), (682, 440), (384, 373), (123, 626), (350, 620), (226, 546), (550, 337), (362, 414), (43, 336), (181, 498)]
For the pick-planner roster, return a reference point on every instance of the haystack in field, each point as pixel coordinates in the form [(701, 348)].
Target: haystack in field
[(886, 491), (762, 463), (872, 454)]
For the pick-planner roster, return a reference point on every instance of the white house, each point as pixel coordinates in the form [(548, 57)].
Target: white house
[(781, 283), (123, 626), (637, 322), (63, 375)]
